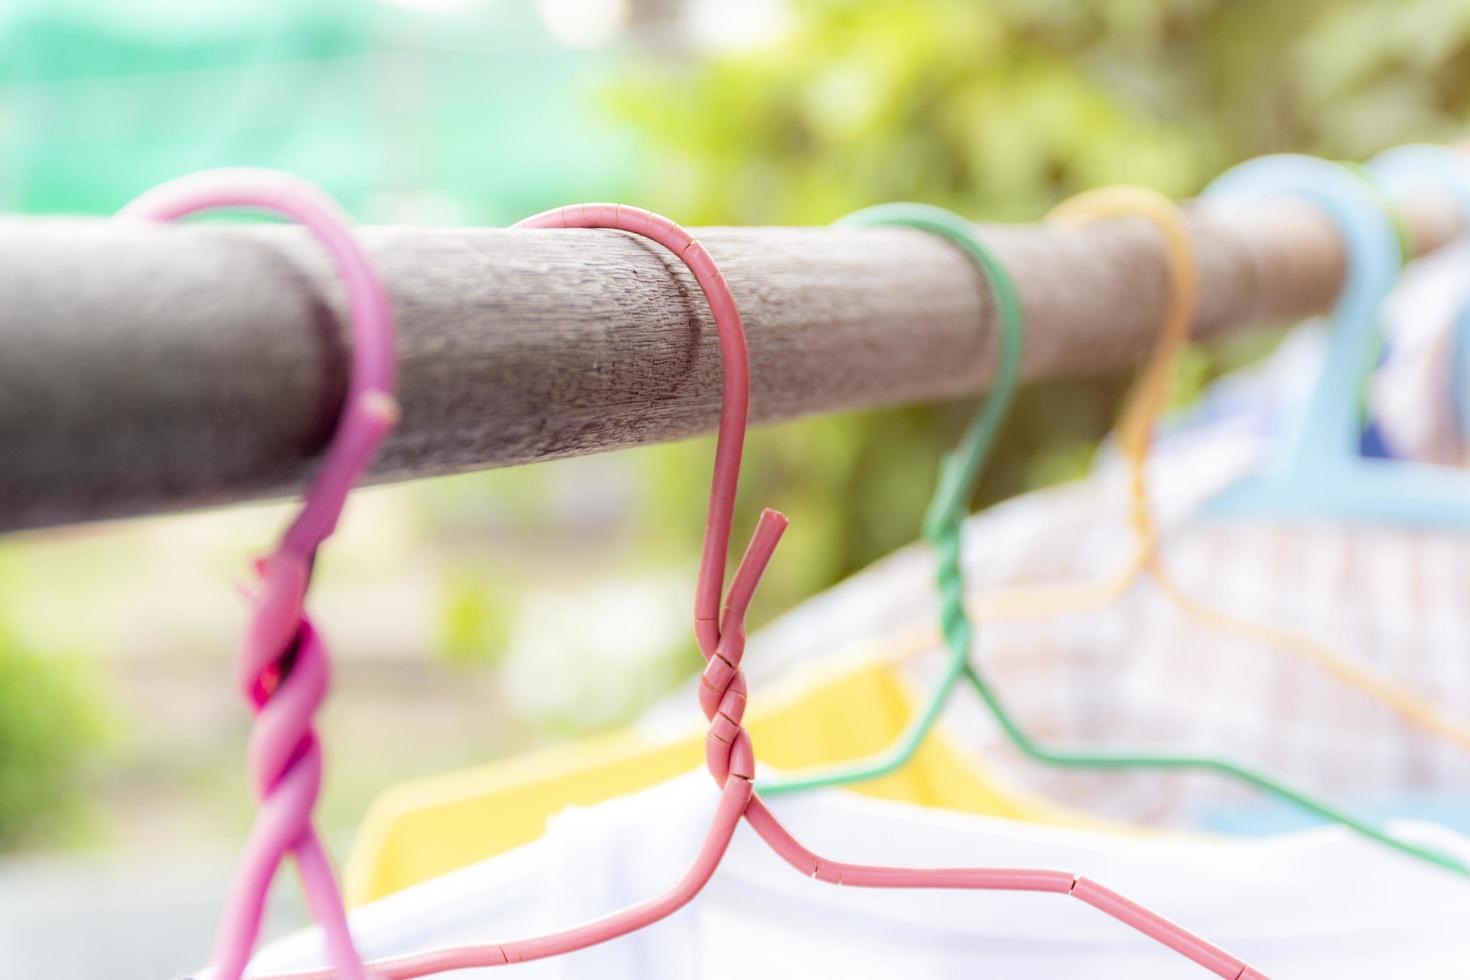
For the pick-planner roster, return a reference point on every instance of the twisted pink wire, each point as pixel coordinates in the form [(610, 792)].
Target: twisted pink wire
[(283, 667), (722, 695)]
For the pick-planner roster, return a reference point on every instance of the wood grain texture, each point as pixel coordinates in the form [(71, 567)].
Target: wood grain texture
[(148, 368)]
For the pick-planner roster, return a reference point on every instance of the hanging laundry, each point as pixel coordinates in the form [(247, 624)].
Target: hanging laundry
[(1319, 904)]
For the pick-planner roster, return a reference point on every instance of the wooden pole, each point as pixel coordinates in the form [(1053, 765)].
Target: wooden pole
[(149, 368)]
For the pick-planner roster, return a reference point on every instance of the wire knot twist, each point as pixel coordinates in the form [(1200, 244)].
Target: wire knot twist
[(722, 696), (283, 674), (947, 538), (722, 692)]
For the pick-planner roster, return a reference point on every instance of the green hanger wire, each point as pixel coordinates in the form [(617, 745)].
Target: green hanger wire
[(957, 476), (942, 528)]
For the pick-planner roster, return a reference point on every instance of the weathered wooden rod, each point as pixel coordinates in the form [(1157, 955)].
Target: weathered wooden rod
[(148, 368)]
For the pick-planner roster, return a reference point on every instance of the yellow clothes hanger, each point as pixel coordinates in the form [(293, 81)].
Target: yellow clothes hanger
[(1135, 432), (820, 715)]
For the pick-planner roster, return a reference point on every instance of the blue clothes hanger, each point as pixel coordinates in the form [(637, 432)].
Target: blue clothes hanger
[(1315, 470)]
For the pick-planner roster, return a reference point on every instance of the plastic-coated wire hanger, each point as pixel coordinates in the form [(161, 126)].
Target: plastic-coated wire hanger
[(722, 694), (942, 524), (283, 666), (957, 475), (1316, 472)]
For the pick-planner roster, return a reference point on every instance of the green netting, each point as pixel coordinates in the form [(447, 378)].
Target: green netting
[(471, 115)]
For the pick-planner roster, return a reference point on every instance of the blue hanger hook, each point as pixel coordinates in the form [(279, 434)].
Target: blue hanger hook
[(1315, 471), (1328, 431)]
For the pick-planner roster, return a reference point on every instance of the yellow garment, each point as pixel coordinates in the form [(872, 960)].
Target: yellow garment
[(418, 830)]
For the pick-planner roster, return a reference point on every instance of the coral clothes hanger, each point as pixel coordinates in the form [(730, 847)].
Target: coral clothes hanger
[(729, 754), (960, 470), (283, 669)]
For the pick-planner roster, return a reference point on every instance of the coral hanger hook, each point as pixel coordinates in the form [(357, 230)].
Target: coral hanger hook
[(709, 623)]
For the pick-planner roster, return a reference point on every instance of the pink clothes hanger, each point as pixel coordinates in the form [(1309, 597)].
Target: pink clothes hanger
[(283, 666), (729, 755)]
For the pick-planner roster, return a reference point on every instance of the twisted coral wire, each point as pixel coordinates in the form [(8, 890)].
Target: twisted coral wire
[(283, 667), (729, 754)]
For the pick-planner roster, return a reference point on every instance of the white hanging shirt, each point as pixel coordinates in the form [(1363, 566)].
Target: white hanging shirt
[(1317, 904)]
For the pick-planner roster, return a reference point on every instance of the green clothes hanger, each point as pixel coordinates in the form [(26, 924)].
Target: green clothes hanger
[(944, 520)]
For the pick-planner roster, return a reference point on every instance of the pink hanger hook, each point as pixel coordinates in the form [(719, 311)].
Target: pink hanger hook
[(722, 694), (283, 666)]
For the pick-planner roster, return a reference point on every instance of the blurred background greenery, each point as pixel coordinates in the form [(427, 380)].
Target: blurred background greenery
[(447, 602)]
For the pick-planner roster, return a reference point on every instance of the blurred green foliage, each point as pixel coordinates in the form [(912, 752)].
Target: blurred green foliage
[(998, 110), (404, 112), (473, 620), (50, 724)]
